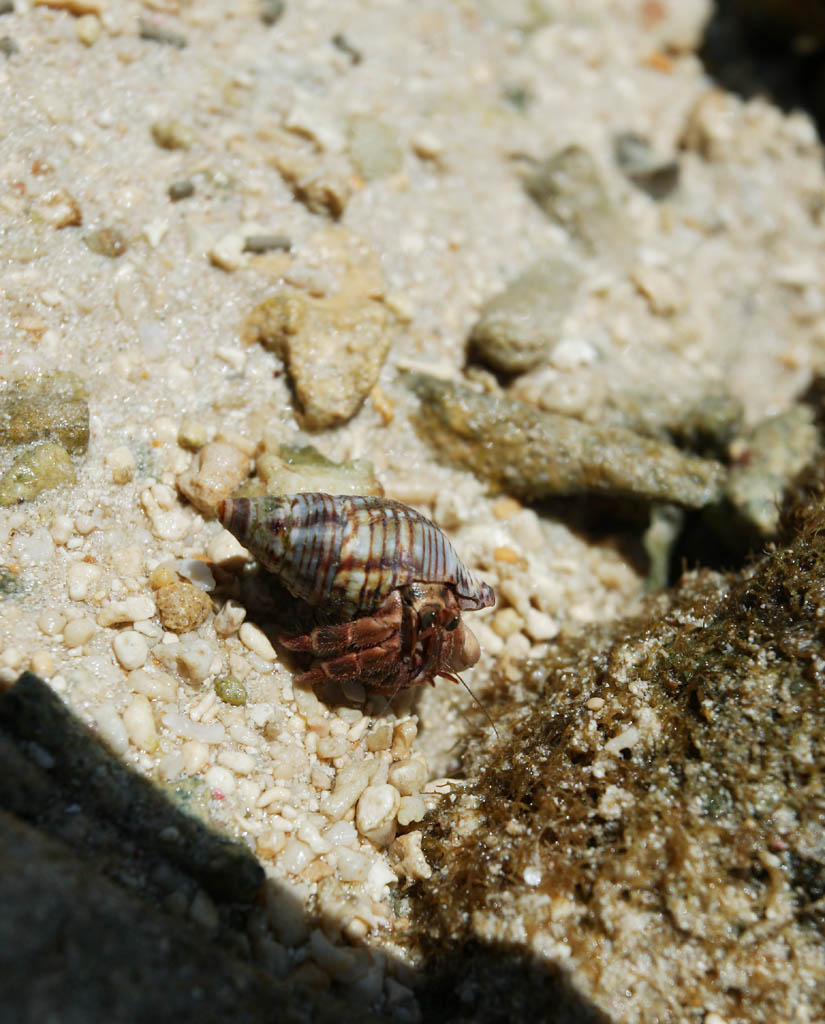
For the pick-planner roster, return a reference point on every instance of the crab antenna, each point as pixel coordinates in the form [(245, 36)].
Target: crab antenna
[(457, 678)]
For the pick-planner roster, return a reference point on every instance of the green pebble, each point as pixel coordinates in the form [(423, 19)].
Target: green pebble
[(231, 690), (37, 469)]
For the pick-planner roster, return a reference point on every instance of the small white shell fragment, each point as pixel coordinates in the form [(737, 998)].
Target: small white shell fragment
[(155, 685), (378, 877), (540, 626), (309, 834), (376, 813), (330, 747), (237, 761), (190, 656), (295, 856), (410, 808), (140, 723), (195, 756), (203, 732), (78, 632), (256, 641), (407, 857), (221, 779), (111, 727), (12, 657), (168, 523), (131, 609), (427, 145), (351, 865), (80, 578), (121, 464), (532, 876), (229, 618), (130, 649), (51, 622), (227, 253), (197, 572), (350, 783), (62, 529), (224, 546), (42, 664)]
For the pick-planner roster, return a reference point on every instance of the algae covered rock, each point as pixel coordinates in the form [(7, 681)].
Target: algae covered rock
[(291, 469), (45, 407), (655, 811), (37, 468), (534, 454), (768, 458)]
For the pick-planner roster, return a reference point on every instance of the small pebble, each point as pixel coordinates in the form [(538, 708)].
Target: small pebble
[(154, 685), (9, 46), (121, 464), (140, 723), (182, 606), (410, 808), (42, 664), (155, 33), (380, 737), (271, 10), (221, 780), (107, 242), (81, 577), (231, 690), (256, 641), (88, 29), (51, 622), (172, 134), (376, 813), (181, 190), (195, 756), (237, 761), (192, 434), (130, 649), (229, 618), (131, 609), (595, 704), (532, 876), (78, 632), (266, 243), (408, 776)]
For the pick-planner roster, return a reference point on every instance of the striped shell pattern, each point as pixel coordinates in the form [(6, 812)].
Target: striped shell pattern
[(347, 551)]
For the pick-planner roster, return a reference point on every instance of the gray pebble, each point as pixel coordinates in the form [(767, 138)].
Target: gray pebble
[(517, 327), (155, 33), (9, 46), (656, 175), (266, 243), (181, 189), (271, 11), (568, 188)]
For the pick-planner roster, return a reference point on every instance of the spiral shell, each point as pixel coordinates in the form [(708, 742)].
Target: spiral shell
[(349, 552)]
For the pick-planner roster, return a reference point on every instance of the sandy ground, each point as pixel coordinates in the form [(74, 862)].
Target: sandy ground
[(718, 286)]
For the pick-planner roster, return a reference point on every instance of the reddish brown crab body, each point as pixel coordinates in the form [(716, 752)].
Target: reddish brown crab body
[(387, 570)]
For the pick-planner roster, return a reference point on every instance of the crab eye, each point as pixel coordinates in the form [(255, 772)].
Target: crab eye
[(452, 624), (428, 618)]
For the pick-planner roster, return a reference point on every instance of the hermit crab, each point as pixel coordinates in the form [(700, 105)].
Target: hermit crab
[(388, 582)]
